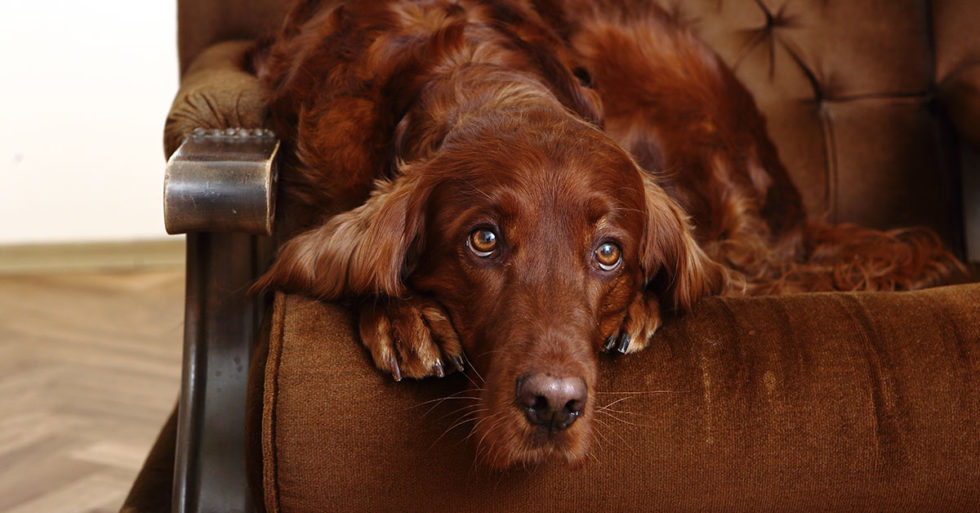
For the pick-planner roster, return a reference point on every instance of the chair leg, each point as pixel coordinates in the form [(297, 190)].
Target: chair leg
[(151, 490), (221, 323)]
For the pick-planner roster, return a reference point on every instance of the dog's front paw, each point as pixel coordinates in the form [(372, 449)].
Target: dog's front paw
[(641, 321), (410, 338)]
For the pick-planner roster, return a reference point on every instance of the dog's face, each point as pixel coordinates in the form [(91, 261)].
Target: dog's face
[(535, 255), (538, 245)]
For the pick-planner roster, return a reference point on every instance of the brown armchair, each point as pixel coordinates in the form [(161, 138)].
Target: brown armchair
[(849, 402)]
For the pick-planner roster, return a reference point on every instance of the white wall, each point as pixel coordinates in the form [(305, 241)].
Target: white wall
[(84, 90)]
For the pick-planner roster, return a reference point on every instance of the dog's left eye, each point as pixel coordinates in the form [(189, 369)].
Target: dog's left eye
[(482, 242), (608, 255)]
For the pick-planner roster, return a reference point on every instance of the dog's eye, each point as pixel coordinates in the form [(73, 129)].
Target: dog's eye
[(482, 242), (608, 255)]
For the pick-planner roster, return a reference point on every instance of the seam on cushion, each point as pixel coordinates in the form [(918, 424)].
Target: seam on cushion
[(820, 98), (887, 96), (960, 68), (270, 455), (830, 156)]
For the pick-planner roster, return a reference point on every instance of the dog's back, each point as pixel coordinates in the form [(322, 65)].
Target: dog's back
[(682, 114)]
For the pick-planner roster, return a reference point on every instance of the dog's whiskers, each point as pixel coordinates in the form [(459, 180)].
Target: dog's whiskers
[(598, 437), (469, 365), (599, 441), (645, 392), (491, 352), (470, 417), (618, 419), (605, 425), (469, 407), (494, 421), (439, 400), (607, 406), (615, 432), (472, 381), (627, 412)]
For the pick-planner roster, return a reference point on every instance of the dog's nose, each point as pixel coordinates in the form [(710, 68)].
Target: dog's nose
[(554, 403)]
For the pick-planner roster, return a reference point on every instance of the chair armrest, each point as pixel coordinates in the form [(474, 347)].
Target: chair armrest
[(218, 90), (219, 189), (222, 181), (221, 173)]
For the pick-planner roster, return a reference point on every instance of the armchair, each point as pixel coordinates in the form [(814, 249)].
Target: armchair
[(850, 402)]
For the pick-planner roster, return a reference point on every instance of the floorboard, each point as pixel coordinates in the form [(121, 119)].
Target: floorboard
[(89, 370)]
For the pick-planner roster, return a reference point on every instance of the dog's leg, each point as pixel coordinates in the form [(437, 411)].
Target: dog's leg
[(641, 321), (410, 337)]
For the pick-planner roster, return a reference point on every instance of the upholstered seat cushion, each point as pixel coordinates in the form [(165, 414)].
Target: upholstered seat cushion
[(827, 402)]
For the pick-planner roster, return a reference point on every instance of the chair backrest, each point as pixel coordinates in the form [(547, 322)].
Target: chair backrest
[(855, 92), (854, 98), (201, 23)]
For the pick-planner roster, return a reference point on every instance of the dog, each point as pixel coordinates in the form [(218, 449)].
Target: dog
[(526, 184)]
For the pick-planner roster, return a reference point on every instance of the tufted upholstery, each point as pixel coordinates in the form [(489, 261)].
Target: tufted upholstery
[(849, 90)]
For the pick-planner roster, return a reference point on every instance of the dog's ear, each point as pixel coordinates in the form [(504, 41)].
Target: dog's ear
[(673, 263), (359, 252)]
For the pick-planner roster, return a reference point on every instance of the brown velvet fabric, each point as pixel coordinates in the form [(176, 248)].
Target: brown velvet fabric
[(815, 402), (216, 92)]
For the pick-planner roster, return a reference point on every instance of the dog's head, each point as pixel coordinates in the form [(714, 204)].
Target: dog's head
[(536, 243)]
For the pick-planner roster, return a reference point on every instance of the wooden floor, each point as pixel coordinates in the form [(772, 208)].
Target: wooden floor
[(89, 370)]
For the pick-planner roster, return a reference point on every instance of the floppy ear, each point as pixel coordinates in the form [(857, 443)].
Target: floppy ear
[(673, 263), (359, 252)]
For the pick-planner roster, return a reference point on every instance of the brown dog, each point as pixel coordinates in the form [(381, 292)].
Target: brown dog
[(518, 181)]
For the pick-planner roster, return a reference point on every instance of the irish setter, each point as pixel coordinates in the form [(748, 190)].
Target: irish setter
[(532, 182)]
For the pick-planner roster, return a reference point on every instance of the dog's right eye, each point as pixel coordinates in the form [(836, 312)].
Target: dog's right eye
[(482, 242), (609, 256)]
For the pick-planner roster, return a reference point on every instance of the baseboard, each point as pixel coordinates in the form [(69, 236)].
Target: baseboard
[(95, 256)]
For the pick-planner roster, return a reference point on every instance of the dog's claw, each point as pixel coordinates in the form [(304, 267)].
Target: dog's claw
[(396, 371), (610, 343), (457, 362), (410, 338), (624, 343), (641, 321)]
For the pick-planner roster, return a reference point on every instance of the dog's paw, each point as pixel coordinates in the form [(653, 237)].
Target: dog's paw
[(410, 338), (641, 321)]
